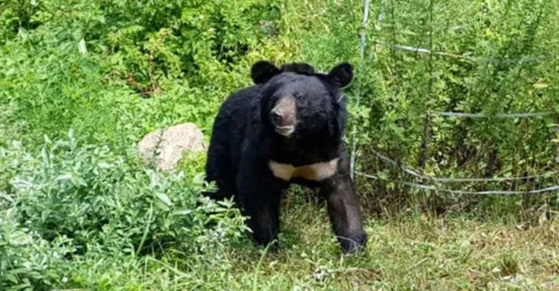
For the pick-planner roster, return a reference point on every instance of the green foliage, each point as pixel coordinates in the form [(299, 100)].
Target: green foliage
[(74, 199), (153, 41), (496, 35), (85, 213)]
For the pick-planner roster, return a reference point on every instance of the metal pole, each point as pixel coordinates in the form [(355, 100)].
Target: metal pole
[(362, 46)]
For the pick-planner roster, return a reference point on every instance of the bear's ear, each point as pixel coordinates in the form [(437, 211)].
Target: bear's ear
[(263, 71), (341, 74)]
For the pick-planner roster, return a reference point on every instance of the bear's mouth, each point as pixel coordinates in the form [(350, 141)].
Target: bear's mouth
[(285, 130)]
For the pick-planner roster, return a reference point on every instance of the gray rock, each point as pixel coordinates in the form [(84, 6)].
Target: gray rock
[(165, 147)]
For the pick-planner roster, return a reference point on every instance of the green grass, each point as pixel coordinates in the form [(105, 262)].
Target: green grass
[(405, 252), (421, 253)]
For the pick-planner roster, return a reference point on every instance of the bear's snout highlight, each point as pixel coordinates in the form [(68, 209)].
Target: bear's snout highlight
[(284, 115)]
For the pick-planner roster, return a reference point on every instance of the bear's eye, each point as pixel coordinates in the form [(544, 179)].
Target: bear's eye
[(299, 95)]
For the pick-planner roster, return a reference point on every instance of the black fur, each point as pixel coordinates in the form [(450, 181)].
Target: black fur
[(300, 68), (244, 141)]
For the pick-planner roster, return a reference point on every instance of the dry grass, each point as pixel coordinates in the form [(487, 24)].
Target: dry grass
[(407, 252)]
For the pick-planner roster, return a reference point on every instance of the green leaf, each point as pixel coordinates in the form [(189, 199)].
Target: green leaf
[(182, 212), (64, 177), (82, 48), (164, 198)]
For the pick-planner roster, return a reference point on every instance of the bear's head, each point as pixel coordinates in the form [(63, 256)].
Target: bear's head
[(297, 101)]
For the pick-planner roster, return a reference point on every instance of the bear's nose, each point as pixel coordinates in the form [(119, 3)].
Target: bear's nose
[(284, 112), (282, 119), (276, 115)]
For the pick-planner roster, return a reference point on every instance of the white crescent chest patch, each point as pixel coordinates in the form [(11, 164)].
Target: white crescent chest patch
[(314, 172)]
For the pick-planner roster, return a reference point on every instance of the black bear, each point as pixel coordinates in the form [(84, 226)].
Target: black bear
[(287, 128)]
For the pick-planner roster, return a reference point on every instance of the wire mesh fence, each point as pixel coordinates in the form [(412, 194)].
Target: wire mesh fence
[(370, 41)]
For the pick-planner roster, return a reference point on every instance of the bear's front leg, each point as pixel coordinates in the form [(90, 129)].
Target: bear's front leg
[(264, 221), (344, 212), (260, 194)]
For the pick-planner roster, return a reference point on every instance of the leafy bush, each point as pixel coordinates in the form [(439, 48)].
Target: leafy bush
[(26, 259), (151, 42), (78, 198), (494, 80)]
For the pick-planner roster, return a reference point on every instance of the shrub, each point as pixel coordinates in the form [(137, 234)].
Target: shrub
[(75, 198)]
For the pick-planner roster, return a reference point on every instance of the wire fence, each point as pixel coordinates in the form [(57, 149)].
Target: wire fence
[(431, 183), (431, 179), (469, 58), (546, 190), (500, 116), (439, 180)]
